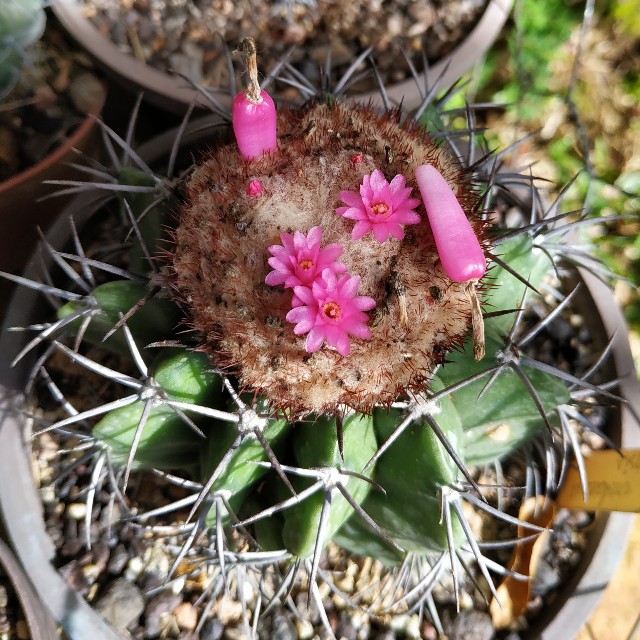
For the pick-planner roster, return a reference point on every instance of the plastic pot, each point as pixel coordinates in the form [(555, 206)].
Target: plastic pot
[(172, 93)]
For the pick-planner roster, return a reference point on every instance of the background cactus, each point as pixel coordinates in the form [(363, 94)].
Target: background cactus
[(291, 446), (22, 23)]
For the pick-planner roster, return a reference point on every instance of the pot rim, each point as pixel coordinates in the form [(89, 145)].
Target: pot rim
[(81, 132), (41, 624), (173, 93), (21, 510)]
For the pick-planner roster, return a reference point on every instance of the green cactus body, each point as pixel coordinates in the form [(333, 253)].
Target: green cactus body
[(316, 446), (505, 291), (482, 425), (241, 472), (152, 216), (22, 23), (414, 472), (153, 321), (167, 442)]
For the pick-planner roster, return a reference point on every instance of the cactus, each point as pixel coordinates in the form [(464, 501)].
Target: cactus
[(295, 350), (22, 23)]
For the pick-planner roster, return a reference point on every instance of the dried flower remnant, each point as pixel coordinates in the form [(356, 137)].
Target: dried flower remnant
[(381, 207), (300, 259), (331, 311), (253, 111), (254, 188)]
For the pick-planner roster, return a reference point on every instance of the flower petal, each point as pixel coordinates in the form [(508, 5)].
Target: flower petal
[(274, 278), (360, 228), (315, 339), (305, 294), (364, 303), (314, 235), (397, 184), (395, 230), (342, 345), (380, 232), (348, 286), (361, 331)]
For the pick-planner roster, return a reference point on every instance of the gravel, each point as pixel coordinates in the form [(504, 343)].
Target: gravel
[(194, 38)]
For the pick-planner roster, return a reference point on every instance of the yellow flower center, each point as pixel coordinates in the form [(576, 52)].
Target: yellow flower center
[(379, 208), (305, 264), (331, 310)]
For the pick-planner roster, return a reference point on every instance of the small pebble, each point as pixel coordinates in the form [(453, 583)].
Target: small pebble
[(118, 560), (158, 611), (472, 625), (412, 630), (22, 630), (77, 510), (305, 629), (135, 567), (87, 93), (186, 616), (121, 604), (214, 630), (545, 578), (235, 633)]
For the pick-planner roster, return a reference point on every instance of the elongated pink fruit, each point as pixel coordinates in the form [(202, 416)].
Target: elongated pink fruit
[(254, 124), (458, 247)]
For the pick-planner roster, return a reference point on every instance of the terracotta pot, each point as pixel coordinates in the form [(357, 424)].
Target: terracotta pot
[(21, 509), (22, 209), (174, 94)]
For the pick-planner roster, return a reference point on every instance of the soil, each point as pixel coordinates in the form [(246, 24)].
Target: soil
[(57, 89), (194, 38), (12, 619)]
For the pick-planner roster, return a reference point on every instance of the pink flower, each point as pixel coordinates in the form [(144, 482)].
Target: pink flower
[(331, 311), (300, 260), (255, 188), (382, 207)]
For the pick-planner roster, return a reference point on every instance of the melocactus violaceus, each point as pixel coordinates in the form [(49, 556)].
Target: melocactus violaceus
[(334, 209)]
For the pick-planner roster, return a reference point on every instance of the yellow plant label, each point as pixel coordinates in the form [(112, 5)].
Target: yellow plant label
[(613, 483)]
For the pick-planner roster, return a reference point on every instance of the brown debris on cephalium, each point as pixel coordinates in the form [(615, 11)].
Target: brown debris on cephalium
[(235, 209)]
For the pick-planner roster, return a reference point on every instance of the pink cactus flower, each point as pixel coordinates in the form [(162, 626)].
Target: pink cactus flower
[(331, 312), (255, 188), (300, 259), (381, 206)]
